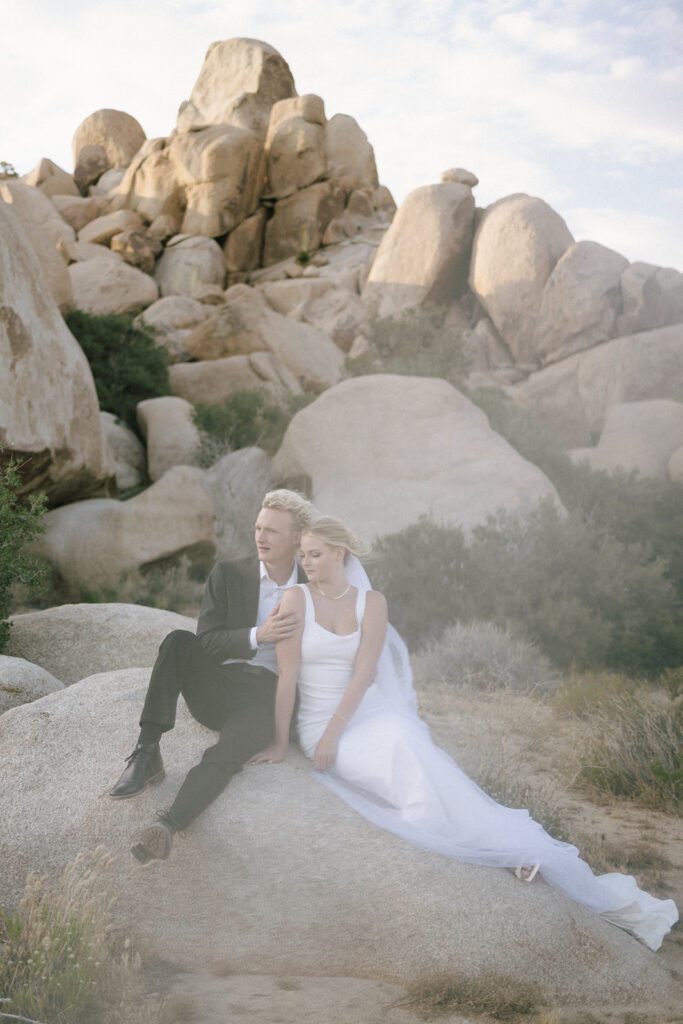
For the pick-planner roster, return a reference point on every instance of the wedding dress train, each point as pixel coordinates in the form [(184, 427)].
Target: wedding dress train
[(390, 771)]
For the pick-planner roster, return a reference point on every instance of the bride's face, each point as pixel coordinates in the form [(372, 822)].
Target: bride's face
[(319, 560)]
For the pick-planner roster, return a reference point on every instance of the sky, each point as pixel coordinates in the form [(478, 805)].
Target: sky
[(577, 102)]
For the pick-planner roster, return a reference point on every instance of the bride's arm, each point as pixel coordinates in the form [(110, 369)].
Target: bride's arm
[(374, 631), (288, 662)]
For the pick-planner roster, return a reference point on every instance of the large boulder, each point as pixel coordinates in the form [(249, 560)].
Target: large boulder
[(333, 307), (516, 246), (242, 249), (245, 324), (93, 543), (45, 230), (238, 483), (639, 436), (106, 285), (580, 303), (578, 392), (73, 641), (79, 210), (22, 682), (676, 466), (221, 170), (296, 145), (314, 888), (299, 221), (350, 157), (383, 450), (126, 450), (101, 230), (239, 82), (169, 431), (172, 319), (214, 381), (51, 179), (424, 255), (187, 264), (651, 297), (119, 135), (150, 186), (49, 414)]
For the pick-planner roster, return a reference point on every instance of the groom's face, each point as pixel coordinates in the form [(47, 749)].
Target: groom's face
[(277, 539)]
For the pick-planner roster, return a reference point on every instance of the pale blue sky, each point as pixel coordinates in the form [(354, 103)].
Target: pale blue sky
[(580, 103)]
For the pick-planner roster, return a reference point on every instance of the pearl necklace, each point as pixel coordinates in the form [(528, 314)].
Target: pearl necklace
[(329, 596)]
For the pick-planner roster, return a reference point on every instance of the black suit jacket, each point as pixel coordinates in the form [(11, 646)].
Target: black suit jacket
[(229, 609)]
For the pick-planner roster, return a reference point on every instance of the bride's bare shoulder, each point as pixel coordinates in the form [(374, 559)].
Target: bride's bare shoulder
[(376, 602)]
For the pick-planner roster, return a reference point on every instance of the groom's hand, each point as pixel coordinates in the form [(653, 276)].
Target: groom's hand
[(278, 626)]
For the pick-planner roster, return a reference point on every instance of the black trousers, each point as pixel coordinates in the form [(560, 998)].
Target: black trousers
[(237, 700)]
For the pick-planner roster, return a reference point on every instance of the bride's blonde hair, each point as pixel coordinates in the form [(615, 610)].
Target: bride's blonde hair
[(334, 532)]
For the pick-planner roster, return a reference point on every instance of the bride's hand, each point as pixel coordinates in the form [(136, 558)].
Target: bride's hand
[(325, 753), (271, 755)]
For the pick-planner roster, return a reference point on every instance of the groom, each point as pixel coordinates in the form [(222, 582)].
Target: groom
[(227, 673)]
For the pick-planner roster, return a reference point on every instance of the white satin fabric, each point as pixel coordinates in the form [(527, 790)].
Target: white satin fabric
[(390, 771)]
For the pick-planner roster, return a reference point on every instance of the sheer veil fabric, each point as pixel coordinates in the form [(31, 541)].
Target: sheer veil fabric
[(418, 792)]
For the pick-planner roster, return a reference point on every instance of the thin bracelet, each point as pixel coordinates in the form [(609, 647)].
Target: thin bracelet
[(345, 720)]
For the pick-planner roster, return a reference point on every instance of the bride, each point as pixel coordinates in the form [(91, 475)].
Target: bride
[(358, 722)]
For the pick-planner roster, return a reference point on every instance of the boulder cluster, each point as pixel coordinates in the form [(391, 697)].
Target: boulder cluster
[(256, 242)]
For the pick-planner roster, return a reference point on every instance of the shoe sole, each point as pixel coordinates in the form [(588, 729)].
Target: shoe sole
[(150, 782), (155, 844)]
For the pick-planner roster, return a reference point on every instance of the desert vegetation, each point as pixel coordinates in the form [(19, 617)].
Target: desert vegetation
[(20, 522)]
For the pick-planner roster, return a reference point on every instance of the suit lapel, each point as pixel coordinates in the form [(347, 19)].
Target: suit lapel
[(251, 581)]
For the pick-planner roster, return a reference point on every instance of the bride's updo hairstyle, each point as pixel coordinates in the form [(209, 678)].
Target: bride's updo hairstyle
[(334, 532)]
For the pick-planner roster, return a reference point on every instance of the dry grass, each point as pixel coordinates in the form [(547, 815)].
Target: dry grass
[(498, 995), (485, 657), (61, 959)]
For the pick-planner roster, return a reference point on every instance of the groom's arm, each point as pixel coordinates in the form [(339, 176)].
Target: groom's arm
[(219, 642)]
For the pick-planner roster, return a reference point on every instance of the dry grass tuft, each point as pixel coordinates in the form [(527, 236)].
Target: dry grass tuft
[(485, 657), (61, 959), (499, 995), (179, 1009)]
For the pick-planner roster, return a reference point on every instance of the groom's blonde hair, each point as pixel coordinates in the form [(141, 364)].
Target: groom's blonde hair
[(300, 508)]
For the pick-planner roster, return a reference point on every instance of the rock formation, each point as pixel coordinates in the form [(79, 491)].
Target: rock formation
[(315, 888)]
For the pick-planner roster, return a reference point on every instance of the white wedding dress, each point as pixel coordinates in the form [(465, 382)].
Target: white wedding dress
[(389, 769)]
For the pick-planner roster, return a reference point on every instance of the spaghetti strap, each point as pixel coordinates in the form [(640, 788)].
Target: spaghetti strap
[(360, 607), (310, 610)]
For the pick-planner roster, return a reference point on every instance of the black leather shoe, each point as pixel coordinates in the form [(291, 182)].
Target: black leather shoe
[(144, 767), (154, 842)]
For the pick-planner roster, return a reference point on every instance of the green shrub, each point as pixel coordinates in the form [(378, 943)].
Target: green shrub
[(7, 170), (426, 574), (637, 750), (20, 522), (418, 342), (127, 365), (588, 600), (247, 418)]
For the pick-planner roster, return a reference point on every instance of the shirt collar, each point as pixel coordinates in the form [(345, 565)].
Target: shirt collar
[(264, 576)]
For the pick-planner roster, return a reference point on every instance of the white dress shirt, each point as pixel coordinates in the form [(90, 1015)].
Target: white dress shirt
[(270, 595)]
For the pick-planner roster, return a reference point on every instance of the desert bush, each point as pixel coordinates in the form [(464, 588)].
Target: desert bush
[(245, 419), (425, 573), (487, 657), (637, 750), (587, 599), (127, 365), (176, 587), (419, 342), (7, 170), (20, 522), (61, 961), (500, 996)]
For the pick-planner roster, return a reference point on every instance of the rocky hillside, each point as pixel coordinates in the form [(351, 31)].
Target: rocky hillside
[(256, 240)]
